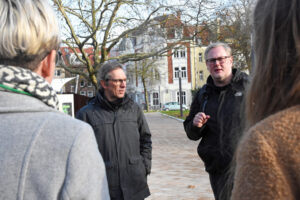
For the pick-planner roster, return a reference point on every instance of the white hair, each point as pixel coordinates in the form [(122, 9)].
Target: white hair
[(28, 29)]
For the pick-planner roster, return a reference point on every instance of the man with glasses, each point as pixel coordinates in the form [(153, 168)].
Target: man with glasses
[(215, 114), (122, 133)]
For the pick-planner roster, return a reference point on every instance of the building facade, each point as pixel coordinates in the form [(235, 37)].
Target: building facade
[(181, 62), (75, 84)]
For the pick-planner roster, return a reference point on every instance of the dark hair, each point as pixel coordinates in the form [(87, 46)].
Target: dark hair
[(276, 78), (106, 68)]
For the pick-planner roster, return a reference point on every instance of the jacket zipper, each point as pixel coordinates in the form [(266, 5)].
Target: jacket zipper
[(117, 152)]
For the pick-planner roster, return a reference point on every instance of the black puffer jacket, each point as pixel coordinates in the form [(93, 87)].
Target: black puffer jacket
[(223, 128), (124, 141)]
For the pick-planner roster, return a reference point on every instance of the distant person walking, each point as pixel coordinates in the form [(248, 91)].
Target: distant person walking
[(267, 159), (122, 133), (44, 154), (215, 114)]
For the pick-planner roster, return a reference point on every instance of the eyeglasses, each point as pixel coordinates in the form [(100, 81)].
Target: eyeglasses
[(221, 60), (117, 81)]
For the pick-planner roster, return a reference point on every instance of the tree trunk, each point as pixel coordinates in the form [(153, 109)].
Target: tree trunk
[(94, 81), (145, 94)]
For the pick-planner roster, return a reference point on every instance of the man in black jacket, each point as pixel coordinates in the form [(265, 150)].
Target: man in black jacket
[(122, 133), (215, 114)]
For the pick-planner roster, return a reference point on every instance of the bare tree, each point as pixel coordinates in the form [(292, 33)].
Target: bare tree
[(148, 72), (102, 24), (233, 25)]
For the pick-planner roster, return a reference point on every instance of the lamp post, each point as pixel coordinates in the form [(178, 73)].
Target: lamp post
[(180, 96)]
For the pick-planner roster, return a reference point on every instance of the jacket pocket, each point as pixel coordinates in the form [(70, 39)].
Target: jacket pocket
[(208, 155), (137, 171), (112, 174)]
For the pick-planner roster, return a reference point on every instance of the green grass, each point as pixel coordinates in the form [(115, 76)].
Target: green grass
[(176, 113), (150, 111)]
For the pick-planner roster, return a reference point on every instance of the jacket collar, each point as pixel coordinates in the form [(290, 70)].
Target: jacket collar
[(13, 102), (101, 100), (238, 80), (20, 80)]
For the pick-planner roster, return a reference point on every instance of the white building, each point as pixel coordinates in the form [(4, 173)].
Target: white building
[(162, 82)]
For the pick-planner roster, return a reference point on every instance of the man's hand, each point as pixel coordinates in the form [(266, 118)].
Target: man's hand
[(200, 119)]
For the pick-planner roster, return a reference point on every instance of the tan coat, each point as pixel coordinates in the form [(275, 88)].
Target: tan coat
[(268, 159)]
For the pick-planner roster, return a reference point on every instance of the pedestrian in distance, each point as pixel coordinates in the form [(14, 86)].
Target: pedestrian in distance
[(44, 153), (267, 157), (122, 133), (215, 114)]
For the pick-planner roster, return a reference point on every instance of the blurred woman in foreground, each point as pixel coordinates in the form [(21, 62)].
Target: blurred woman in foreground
[(267, 159)]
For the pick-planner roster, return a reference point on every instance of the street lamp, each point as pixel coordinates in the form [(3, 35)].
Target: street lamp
[(180, 96)]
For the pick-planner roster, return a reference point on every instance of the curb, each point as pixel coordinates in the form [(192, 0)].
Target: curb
[(181, 120)]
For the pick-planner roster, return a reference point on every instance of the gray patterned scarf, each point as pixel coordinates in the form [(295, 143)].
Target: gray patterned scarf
[(24, 81)]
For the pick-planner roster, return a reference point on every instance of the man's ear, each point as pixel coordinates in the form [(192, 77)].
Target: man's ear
[(103, 84), (231, 59), (47, 66)]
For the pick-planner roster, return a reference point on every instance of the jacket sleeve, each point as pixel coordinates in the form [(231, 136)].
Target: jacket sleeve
[(145, 141), (82, 115), (85, 174), (193, 132)]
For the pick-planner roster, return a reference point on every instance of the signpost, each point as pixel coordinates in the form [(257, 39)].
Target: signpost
[(180, 93)]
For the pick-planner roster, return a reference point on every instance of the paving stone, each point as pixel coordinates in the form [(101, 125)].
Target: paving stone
[(177, 171)]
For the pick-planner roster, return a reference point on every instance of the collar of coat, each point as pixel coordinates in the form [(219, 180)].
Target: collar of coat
[(101, 100), (24, 81), (237, 83)]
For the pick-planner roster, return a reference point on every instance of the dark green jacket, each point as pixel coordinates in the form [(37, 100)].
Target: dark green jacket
[(124, 140)]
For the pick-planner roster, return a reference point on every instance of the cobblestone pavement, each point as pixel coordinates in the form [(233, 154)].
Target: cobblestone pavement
[(177, 171)]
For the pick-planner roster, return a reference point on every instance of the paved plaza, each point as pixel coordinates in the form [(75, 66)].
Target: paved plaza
[(177, 171)]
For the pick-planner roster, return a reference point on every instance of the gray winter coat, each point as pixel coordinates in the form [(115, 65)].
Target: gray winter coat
[(45, 154)]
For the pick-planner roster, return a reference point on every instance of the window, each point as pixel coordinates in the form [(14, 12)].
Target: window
[(182, 53), (133, 40), (201, 75), (176, 54), (83, 93), (156, 57), (178, 34), (179, 53), (155, 73), (198, 41), (72, 89), (183, 97), (176, 71), (82, 83), (73, 59), (200, 57), (90, 84), (155, 99), (57, 72), (182, 70), (90, 93), (130, 78)]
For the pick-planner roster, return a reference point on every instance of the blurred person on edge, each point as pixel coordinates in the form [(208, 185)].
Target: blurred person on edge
[(267, 157), (44, 154)]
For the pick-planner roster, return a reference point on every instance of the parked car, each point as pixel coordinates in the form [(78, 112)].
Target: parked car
[(174, 106)]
